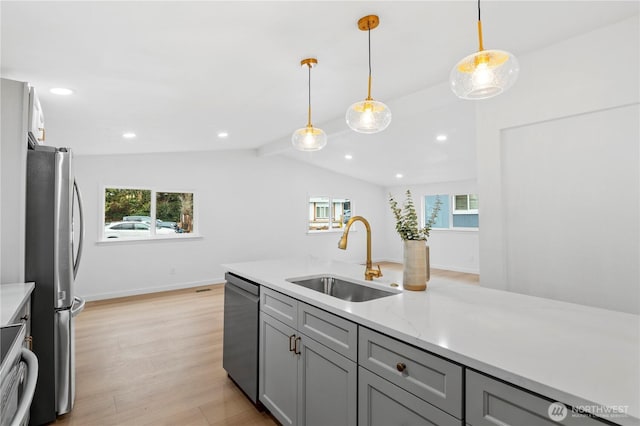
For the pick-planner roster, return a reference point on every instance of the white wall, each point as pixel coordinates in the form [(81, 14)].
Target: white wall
[(558, 173), (454, 250), (248, 208)]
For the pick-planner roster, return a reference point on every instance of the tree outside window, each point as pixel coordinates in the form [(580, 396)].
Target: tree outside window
[(154, 212)]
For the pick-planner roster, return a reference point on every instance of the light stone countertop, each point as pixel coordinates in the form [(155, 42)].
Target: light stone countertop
[(12, 297), (575, 354)]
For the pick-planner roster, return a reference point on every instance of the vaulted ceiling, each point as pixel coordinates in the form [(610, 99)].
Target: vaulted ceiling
[(178, 73)]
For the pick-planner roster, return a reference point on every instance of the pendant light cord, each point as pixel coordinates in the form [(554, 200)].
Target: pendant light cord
[(480, 44), (369, 88), (309, 107)]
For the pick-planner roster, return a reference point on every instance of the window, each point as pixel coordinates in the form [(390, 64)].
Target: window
[(327, 213), (146, 213), (465, 204), (442, 220), (457, 211), (341, 212)]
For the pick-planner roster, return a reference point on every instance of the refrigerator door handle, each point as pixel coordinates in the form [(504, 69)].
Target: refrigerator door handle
[(76, 263), (75, 310)]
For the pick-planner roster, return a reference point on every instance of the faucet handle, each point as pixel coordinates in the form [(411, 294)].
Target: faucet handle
[(377, 273)]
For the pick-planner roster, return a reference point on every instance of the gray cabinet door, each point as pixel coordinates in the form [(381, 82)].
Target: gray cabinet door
[(278, 370), (427, 376), (491, 402), (279, 306), (327, 386), (381, 403), (334, 332)]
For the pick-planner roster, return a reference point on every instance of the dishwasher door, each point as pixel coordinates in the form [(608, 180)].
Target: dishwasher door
[(241, 328)]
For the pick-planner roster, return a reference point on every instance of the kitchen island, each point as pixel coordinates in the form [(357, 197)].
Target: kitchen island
[(582, 356)]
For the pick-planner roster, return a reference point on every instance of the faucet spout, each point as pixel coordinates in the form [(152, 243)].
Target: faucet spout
[(369, 272)]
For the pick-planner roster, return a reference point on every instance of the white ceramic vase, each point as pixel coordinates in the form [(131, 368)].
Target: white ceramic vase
[(415, 273)]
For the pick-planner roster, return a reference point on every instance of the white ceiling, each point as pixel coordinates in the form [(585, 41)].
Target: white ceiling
[(177, 73)]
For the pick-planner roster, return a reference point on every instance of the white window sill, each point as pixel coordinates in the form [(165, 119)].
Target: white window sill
[(454, 229), (164, 238), (330, 231)]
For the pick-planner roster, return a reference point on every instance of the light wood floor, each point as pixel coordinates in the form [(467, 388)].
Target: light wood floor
[(157, 360), (458, 276)]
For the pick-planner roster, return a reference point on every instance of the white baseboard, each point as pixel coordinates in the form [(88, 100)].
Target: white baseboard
[(149, 290)]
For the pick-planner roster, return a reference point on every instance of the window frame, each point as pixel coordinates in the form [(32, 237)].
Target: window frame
[(330, 220), (468, 210), (450, 198), (153, 236)]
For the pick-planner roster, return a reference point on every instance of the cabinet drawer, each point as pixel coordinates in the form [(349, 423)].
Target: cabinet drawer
[(279, 306), (382, 403), (427, 376), (491, 402), (332, 331)]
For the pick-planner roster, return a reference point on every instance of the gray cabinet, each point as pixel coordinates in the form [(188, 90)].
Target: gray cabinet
[(381, 403), (14, 103), (327, 386), (429, 377), (279, 306), (305, 380), (278, 369), (490, 402), (334, 332)]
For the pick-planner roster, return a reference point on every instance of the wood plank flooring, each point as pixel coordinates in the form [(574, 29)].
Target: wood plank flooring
[(458, 276), (157, 360)]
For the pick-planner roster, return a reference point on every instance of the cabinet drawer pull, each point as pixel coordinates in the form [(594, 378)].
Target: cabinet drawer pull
[(292, 343), (295, 347), (401, 366)]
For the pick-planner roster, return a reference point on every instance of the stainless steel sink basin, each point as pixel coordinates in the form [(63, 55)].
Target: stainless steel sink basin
[(342, 289)]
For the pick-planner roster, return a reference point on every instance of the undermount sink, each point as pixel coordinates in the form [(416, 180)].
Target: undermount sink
[(340, 288)]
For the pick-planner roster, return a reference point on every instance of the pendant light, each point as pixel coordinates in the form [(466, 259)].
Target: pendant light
[(309, 138), (368, 116), (484, 74)]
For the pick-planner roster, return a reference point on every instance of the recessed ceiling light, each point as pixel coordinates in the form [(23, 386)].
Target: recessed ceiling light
[(399, 175), (441, 138), (223, 135), (128, 135), (61, 91), (348, 156)]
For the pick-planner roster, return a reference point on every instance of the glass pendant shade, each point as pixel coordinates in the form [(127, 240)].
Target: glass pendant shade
[(368, 116), (309, 139), (484, 74)]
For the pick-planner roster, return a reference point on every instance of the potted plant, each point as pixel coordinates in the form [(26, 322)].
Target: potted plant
[(416, 252)]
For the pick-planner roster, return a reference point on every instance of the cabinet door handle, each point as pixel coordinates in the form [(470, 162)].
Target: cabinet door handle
[(295, 347), (401, 366), (292, 343)]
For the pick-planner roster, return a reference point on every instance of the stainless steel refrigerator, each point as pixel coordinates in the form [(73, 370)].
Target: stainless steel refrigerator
[(53, 250)]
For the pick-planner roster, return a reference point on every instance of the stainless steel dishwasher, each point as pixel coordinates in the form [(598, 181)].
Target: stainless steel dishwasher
[(241, 333)]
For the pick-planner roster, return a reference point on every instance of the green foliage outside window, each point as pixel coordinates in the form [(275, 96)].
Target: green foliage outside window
[(119, 203)]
